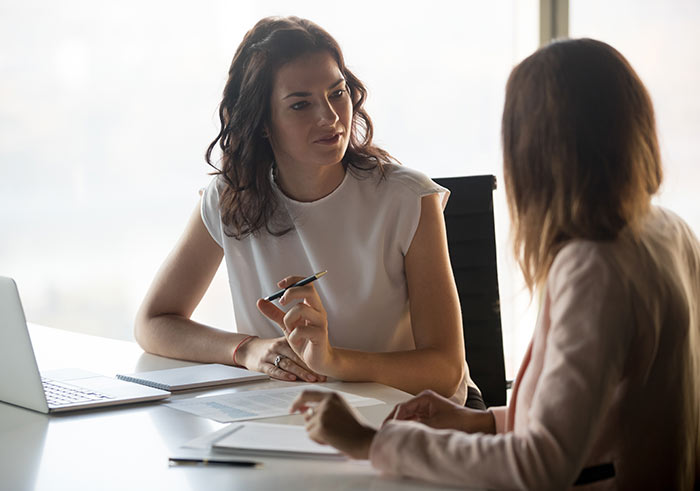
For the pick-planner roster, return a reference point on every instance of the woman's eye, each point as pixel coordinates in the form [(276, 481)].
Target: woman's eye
[(299, 105), (338, 93)]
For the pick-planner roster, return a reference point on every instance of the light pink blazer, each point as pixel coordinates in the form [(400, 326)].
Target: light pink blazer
[(612, 375)]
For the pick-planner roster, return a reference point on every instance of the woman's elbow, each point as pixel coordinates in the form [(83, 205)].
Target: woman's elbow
[(143, 330), (450, 377)]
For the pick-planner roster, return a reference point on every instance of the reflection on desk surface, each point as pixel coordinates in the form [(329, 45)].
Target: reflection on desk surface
[(20, 459)]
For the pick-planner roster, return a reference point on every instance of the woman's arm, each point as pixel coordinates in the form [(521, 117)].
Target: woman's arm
[(437, 363), (587, 343), (163, 324)]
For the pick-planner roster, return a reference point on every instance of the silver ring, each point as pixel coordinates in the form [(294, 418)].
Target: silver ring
[(278, 360)]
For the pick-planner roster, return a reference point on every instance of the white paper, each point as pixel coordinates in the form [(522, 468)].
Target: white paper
[(272, 439), (255, 404)]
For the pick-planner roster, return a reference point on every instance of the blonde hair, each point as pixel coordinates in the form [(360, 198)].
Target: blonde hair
[(580, 154)]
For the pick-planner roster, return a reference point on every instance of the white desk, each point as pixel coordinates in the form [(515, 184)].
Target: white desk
[(127, 447)]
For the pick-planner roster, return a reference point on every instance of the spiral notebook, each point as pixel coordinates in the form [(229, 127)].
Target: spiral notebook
[(193, 377)]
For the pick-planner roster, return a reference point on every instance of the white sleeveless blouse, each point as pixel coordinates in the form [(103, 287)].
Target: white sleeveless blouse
[(360, 233)]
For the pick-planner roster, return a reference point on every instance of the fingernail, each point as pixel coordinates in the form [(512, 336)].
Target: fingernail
[(311, 379), (291, 377)]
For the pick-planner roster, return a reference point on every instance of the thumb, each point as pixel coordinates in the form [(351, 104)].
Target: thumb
[(272, 312), (412, 409)]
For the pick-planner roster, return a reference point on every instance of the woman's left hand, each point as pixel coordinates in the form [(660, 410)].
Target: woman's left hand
[(331, 421), (305, 324), (435, 411)]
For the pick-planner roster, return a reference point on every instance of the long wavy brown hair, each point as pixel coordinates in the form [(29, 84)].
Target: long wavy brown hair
[(580, 153), (247, 200)]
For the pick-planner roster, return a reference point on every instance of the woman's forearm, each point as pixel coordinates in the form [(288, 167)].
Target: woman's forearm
[(410, 371), (176, 336)]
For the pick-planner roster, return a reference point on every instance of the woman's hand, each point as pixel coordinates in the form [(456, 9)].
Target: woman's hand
[(260, 354), (331, 421), (435, 411), (305, 324)]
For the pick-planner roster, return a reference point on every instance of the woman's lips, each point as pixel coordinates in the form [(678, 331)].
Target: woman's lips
[(330, 140)]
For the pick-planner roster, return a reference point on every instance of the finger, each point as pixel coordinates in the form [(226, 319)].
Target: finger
[(271, 311), (289, 280), (306, 293), (314, 429), (305, 398), (391, 415), (428, 395), (302, 335), (408, 410), (277, 373), (288, 365), (302, 315), (287, 351), (309, 413)]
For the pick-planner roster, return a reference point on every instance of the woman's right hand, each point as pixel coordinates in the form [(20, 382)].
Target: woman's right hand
[(435, 411), (259, 355)]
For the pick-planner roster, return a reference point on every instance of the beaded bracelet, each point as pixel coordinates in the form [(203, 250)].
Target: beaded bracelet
[(247, 338)]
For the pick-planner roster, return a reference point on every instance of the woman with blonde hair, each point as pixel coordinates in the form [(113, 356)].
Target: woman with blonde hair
[(608, 394)]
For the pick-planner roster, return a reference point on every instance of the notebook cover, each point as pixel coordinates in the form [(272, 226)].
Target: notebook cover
[(193, 377)]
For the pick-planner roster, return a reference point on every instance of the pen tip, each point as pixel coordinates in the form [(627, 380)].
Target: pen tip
[(318, 275)]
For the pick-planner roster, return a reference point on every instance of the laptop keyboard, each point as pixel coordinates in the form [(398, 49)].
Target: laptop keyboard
[(58, 394)]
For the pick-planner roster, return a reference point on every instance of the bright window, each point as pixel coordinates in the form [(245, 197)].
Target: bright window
[(662, 42)]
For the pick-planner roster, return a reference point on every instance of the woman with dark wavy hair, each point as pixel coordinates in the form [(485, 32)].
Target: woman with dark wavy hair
[(301, 188), (608, 395)]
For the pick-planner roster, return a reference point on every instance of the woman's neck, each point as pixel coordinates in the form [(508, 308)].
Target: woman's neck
[(309, 185)]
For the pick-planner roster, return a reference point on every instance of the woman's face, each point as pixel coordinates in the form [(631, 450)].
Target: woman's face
[(310, 114)]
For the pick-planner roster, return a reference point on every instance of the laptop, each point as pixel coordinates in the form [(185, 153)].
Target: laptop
[(21, 383)]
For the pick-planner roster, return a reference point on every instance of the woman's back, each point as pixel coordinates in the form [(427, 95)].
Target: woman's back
[(659, 397), (611, 377), (630, 350)]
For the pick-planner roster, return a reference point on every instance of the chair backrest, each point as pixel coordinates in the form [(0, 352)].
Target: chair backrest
[(472, 243)]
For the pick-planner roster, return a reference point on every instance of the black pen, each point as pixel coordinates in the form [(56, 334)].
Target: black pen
[(303, 282), (207, 461)]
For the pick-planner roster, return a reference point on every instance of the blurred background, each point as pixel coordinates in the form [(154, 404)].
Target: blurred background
[(106, 109)]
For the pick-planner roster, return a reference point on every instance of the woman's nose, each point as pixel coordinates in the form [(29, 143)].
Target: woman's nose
[(327, 115)]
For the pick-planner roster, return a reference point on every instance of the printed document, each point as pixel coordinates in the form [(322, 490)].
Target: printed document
[(256, 404)]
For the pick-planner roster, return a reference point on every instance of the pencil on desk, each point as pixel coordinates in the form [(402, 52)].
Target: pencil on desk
[(303, 282)]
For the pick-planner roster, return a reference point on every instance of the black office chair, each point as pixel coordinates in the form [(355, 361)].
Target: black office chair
[(472, 243)]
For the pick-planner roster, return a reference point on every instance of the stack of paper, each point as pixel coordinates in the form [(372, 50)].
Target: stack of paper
[(272, 440)]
